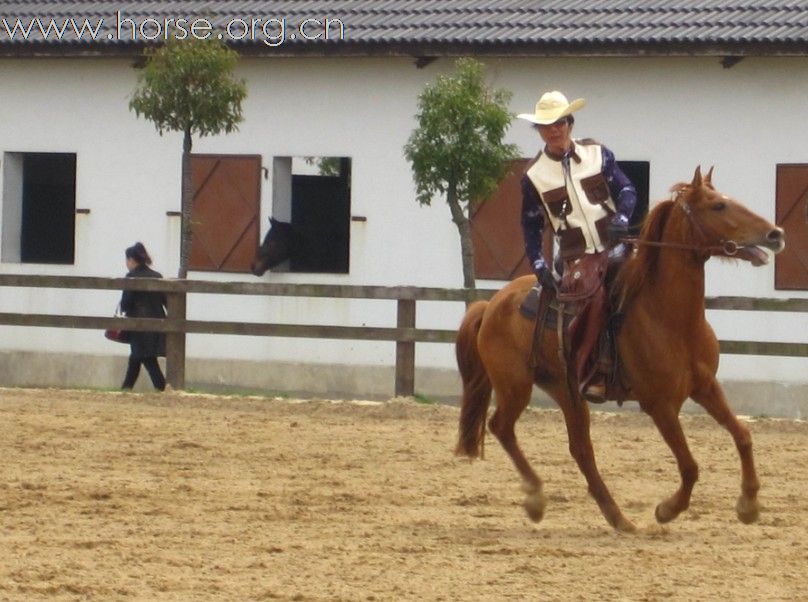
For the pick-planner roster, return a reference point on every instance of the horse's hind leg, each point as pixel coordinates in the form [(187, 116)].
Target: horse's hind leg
[(712, 398), (512, 398), (576, 416), (666, 418)]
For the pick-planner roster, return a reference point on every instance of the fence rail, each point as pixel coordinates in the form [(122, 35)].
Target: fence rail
[(404, 334)]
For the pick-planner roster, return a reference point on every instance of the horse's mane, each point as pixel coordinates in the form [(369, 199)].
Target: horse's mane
[(642, 266)]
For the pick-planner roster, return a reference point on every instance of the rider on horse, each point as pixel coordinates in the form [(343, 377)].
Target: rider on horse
[(578, 186)]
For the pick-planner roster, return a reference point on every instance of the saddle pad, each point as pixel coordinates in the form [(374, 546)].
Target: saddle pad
[(529, 308)]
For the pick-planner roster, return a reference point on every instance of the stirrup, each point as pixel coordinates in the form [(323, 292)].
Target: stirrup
[(595, 391)]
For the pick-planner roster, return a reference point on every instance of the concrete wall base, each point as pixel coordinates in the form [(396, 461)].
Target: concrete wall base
[(34, 369)]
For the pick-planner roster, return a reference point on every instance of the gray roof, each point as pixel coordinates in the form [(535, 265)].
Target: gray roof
[(431, 27)]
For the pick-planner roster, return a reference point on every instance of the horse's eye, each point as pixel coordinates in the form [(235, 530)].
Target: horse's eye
[(720, 206)]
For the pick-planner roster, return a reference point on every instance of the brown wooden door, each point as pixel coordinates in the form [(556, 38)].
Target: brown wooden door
[(496, 231), (791, 266), (226, 210)]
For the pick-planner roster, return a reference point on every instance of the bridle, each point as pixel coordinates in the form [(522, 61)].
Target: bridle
[(728, 248)]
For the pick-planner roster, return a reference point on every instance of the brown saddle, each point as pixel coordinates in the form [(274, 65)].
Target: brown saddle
[(587, 333)]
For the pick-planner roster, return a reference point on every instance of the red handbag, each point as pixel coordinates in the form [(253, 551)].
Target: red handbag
[(118, 335)]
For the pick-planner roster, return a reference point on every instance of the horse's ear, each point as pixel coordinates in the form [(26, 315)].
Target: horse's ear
[(697, 179), (272, 221), (708, 179)]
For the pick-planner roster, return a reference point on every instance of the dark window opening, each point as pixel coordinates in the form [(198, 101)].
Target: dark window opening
[(318, 205), (40, 203), (639, 174)]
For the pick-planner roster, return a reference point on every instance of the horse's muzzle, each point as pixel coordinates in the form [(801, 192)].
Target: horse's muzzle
[(257, 268), (776, 240)]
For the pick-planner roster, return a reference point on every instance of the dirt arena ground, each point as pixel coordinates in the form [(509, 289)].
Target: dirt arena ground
[(108, 496)]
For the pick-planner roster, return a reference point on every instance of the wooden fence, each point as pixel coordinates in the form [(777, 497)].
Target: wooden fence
[(404, 334)]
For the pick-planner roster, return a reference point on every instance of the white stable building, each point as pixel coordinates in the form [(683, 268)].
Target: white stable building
[(669, 86)]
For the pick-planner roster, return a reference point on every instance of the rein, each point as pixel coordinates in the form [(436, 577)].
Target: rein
[(729, 248)]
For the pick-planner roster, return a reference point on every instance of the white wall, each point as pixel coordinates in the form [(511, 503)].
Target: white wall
[(12, 207), (674, 112)]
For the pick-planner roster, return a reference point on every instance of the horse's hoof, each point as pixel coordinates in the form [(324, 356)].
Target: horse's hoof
[(664, 514), (624, 525), (748, 510), (535, 513), (534, 505)]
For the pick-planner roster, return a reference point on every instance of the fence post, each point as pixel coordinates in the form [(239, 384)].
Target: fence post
[(175, 342), (405, 350)]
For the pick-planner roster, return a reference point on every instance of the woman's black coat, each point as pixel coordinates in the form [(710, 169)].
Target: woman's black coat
[(145, 304)]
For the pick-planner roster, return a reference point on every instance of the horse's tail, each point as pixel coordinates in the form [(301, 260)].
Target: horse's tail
[(476, 384)]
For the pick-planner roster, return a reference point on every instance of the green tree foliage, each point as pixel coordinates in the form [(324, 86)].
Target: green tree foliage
[(457, 148), (187, 86)]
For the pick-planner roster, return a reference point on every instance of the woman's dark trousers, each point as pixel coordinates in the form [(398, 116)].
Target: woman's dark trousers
[(152, 367)]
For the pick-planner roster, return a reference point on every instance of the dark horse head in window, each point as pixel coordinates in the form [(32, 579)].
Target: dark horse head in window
[(278, 246)]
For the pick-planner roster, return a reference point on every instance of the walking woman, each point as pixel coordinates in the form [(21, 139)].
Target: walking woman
[(145, 347)]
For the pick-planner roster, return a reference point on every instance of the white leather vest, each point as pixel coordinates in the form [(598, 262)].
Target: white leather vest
[(578, 204)]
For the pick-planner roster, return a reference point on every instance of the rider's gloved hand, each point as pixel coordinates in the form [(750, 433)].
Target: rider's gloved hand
[(544, 275), (618, 252), (617, 229)]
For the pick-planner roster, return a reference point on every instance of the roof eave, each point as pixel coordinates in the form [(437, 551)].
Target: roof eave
[(651, 48)]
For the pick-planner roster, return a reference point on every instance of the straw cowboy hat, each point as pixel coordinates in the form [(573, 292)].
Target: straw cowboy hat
[(551, 107)]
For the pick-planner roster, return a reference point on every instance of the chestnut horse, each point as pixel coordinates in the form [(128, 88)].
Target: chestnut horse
[(668, 350)]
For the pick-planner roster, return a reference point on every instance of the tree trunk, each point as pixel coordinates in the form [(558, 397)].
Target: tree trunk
[(185, 207), (464, 228)]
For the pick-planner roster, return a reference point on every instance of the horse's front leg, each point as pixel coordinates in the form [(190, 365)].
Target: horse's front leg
[(711, 397), (576, 416), (666, 418)]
